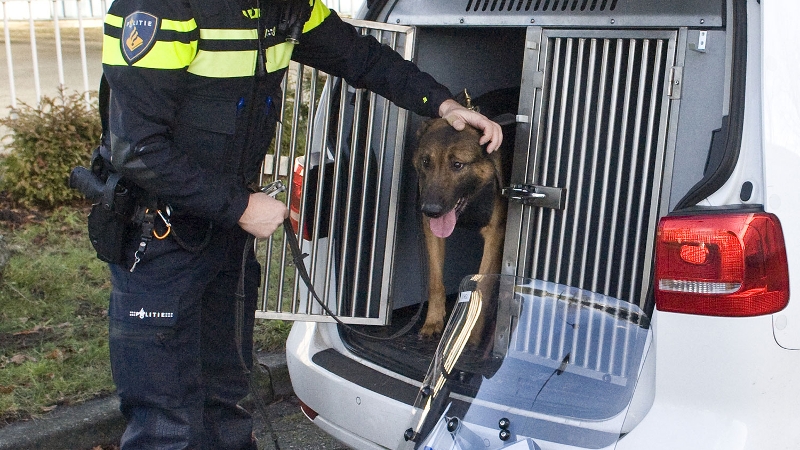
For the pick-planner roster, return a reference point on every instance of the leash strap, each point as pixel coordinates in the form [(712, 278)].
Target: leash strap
[(239, 337), (298, 256)]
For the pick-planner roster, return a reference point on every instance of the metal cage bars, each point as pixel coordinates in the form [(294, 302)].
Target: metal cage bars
[(601, 135), (350, 163)]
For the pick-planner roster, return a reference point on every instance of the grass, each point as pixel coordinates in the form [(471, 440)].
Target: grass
[(53, 315), (53, 326), (54, 299)]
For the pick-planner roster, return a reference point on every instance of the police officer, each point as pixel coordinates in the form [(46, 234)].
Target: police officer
[(194, 102)]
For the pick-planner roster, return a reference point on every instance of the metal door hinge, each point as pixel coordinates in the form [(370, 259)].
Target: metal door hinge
[(536, 79), (540, 196), (675, 82)]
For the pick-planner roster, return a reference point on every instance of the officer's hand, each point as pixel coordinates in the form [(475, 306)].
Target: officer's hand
[(458, 116), (263, 215)]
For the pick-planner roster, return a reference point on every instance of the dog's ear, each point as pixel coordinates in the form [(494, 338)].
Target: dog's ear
[(497, 163), (424, 127)]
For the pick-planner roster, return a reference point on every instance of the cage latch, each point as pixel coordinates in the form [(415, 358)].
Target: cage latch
[(539, 196)]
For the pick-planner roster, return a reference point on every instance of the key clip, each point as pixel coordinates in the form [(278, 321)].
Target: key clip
[(273, 188), (164, 219)]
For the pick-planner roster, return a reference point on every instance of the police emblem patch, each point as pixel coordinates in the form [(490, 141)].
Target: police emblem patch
[(138, 35)]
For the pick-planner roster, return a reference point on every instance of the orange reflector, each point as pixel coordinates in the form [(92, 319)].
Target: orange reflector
[(296, 197), (307, 411)]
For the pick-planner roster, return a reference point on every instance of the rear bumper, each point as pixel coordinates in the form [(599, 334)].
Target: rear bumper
[(720, 383), (356, 415), (345, 436)]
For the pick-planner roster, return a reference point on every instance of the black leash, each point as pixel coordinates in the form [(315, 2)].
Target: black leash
[(239, 332), (298, 256)]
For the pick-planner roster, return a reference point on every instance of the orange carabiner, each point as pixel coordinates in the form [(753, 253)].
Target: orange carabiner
[(161, 236), (166, 222)]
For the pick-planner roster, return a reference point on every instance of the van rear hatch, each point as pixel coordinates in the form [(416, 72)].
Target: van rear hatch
[(623, 109)]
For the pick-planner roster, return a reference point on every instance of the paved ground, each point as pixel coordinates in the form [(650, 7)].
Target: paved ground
[(292, 429), (98, 424)]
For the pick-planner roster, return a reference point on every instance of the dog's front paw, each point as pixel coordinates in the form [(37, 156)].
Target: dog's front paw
[(434, 318), (431, 329)]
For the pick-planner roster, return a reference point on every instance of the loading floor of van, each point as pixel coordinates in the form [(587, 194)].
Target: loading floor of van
[(407, 354)]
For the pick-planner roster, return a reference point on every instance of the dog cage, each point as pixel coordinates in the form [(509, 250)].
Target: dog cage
[(338, 151), (594, 147)]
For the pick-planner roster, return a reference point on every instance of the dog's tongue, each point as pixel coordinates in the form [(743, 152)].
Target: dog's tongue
[(443, 226)]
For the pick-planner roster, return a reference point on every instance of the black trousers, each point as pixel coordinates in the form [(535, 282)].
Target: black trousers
[(178, 366)]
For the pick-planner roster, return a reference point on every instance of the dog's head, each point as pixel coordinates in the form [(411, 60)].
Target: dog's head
[(452, 168)]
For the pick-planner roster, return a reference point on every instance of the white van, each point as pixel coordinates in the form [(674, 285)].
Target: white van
[(644, 300)]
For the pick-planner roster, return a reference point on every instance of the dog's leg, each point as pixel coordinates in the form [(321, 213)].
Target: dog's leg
[(493, 237), (493, 241), (434, 319)]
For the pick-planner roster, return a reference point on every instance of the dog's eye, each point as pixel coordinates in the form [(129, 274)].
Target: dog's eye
[(426, 162), (457, 165)]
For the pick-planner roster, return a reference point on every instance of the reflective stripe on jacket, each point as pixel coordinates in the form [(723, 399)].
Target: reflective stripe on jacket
[(190, 119)]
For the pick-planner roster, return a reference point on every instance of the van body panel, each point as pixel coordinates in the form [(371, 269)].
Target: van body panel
[(721, 383), (750, 162), (703, 111), (781, 125), (558, 13)]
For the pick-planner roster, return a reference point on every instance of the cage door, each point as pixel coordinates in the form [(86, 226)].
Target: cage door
[(338, 150), (601, 104)]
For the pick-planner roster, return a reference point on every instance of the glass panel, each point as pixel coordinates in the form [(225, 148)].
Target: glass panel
[(528, 364)]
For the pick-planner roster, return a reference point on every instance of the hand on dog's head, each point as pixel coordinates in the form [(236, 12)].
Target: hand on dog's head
[(441, 130), (440, 143)]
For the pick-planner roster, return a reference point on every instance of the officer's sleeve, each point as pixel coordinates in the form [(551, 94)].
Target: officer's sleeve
[(147, 83), (337, 48)]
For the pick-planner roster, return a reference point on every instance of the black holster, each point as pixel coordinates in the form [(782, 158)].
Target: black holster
[(113, 205)]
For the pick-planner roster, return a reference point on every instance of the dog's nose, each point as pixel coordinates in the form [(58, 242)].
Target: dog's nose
[(432, 209)]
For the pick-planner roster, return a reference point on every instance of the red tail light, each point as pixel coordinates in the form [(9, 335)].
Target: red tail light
[(721, 265), (296, 196)]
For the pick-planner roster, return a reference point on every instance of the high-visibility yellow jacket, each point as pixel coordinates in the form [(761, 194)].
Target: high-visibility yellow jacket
[(192, 113)]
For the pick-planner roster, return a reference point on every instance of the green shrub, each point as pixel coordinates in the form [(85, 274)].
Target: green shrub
[(46, 143)]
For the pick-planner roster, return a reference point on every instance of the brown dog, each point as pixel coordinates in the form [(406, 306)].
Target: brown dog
[(458, 180)]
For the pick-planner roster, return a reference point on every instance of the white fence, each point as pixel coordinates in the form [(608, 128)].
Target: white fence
[(57, 43), (42, 57), (49, 9), (69, 9)]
